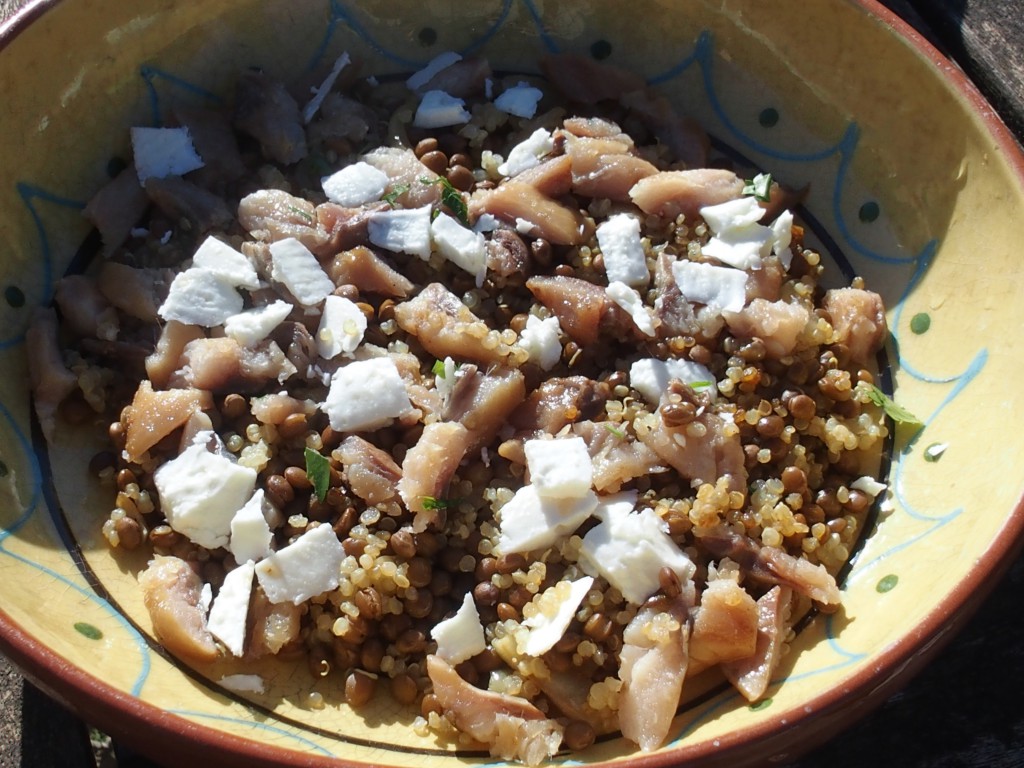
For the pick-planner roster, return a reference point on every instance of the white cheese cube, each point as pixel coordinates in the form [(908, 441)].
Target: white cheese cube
[(530, 521), (250, 532), (720, 287), (223, 260), (355, 185), (307, 567), (438, 109), (617, 505), (200, 492), (519, 100), (629, 299), (547, 628), (527, 153), (486, 222), (252, 326), (782, 237), (867, 484), (296, 268), (163, 152), (461, 636), (244, 683), (461, 246), (630, 550), (201, 297), (541, 341), (319, 94), (231, 607), (739, 240), (650, 377), (442, 61), (742, 247), (732, 214), (342, 326), (559, 468), (403, 230), (622, 250), (366, 394)]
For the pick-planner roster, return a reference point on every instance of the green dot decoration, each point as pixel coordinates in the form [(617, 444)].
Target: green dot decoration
[(869, 212), (887, 583), (88, 630), (769, 117)]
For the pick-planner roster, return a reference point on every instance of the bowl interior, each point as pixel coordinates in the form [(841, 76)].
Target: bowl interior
[(910, 187)]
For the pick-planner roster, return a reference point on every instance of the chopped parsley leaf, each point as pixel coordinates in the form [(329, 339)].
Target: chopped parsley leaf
[(451, 198), (318, 470), (893, 410), (760, 187), (396, 192)]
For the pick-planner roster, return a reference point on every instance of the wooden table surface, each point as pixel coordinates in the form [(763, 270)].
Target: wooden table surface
[(942, 718)]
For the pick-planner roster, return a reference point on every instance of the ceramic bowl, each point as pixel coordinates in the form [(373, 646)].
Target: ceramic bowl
[(913, 184)]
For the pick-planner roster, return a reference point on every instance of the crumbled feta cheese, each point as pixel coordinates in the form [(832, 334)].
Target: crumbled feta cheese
[(934, 451), (366, 394), (442, 61), (524, 226), (650, 376), (527, 153), (519, 100), (559, 468), (438, 109), (461, 636), (206, 598), (341, 330), (319, 94), (486, 222), (720, 287), (250, 532), (530, 521), (402, 230), (461, 246), (201, 297), (732, 214), (163, 152), (200, 492), (243, 683), (622, 250), (231, 606), (629, 300), (782, 236), (629, 551), (252, 326), (223, 260), (294, 266), (307, 567), (540, 340), (355, 185), (739, 240), (868, 485), (617, 505), (547, 627)]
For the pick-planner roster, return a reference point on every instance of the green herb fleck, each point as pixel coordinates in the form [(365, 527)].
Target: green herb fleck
[(318, 471), (430, 503), (299, 212), (886, 583), (88, 630), (934, 451), (760, 187), (700, 384), (614, 430), (451, 198), (438, 368), (893, 410), (396, 192), (759, 705), (920, 323)]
